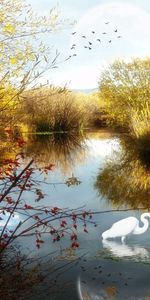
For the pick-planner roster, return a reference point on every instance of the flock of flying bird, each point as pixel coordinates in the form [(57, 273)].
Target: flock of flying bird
[(88, 44)]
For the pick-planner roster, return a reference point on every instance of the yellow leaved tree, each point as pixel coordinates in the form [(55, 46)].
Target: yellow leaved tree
[(23, 55), (125, 90)]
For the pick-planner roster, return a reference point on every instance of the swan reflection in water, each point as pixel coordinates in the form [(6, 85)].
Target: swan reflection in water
[(87, 293), (90, 293), (123, 250)]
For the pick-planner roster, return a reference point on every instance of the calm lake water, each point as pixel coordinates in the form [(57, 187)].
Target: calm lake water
[(112, 177)]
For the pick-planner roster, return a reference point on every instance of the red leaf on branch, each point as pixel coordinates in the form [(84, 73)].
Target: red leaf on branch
[(63, 223), (75, 245), (55, 210), (2, 245), (73, 237), (52, 231), (28, 185), (28, 206), (84, 214), (28, 173), (74, 216), (39, 241), (9, 200), (5, 236)]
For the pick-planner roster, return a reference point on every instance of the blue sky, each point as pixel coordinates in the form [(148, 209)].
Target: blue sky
[(130, 18)]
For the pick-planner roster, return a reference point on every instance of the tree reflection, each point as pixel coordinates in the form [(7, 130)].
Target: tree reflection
[(64, 150), (30, 274), (125, 179)]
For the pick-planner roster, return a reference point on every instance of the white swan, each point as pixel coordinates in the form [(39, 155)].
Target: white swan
[(127, 227)]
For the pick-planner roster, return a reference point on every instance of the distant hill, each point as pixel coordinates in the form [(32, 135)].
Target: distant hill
[(85, 91)]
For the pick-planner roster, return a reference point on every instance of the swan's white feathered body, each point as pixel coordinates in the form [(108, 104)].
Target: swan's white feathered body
[(126, 227)]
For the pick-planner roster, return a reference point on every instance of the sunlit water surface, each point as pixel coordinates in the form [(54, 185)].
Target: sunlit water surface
[(99, 269)]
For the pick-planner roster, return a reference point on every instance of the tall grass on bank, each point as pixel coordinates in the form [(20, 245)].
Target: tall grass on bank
[(52, 109), (140, 128), (55, 110), (140, 121)]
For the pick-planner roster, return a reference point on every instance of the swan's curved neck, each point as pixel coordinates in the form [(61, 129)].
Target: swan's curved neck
[(140, 230)]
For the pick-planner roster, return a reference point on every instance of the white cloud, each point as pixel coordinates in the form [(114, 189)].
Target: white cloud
[(78, 77)]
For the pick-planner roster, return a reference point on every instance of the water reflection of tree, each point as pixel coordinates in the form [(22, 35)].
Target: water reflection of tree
[(29, 276), (125, 180), (65, 150)]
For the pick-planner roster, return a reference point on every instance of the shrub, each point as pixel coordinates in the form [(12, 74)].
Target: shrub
[(54, 109)]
